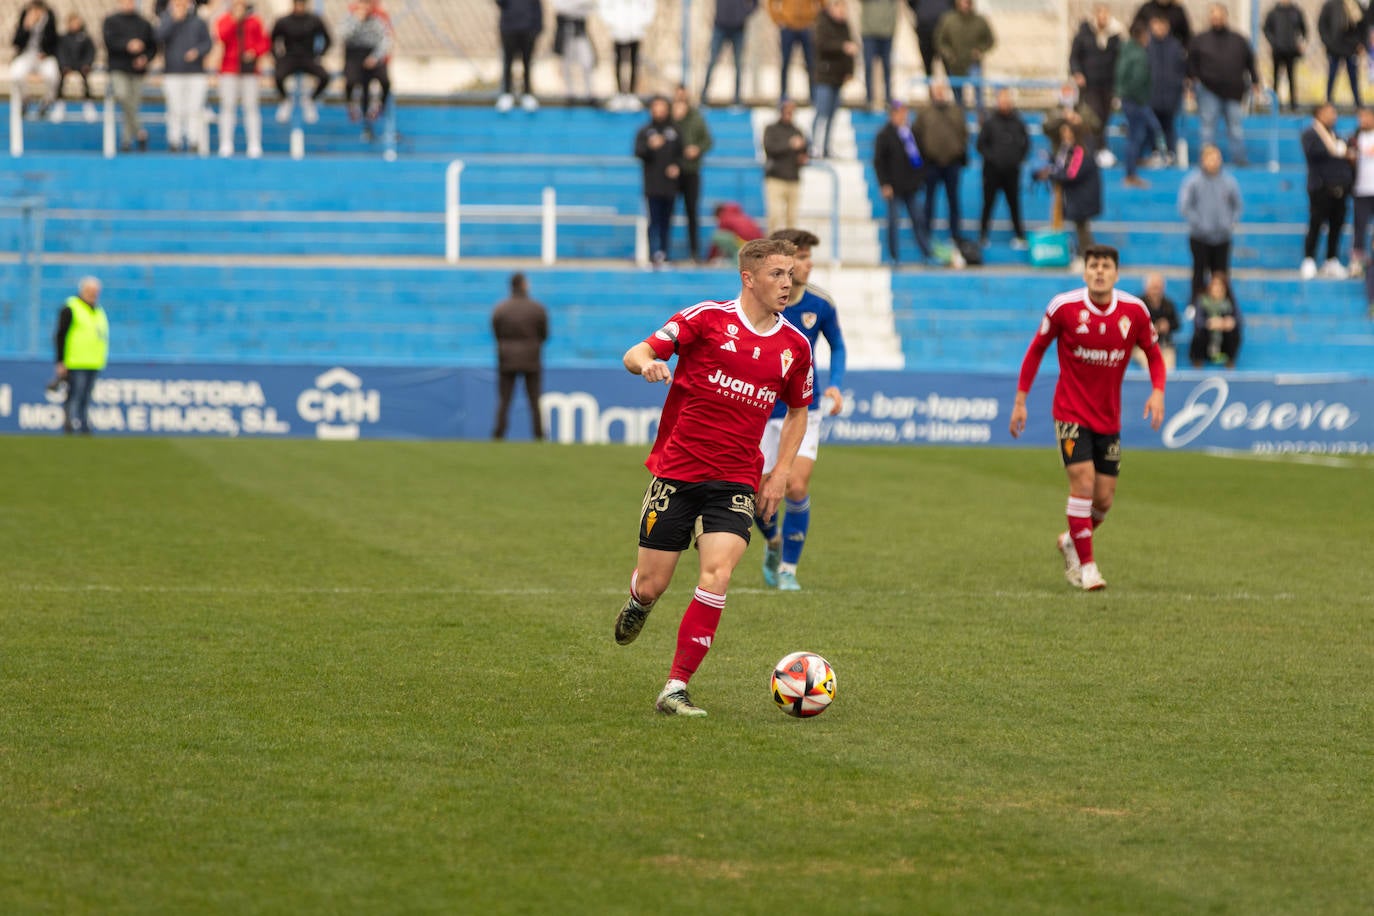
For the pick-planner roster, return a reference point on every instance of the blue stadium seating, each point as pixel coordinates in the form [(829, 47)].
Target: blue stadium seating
[(179, 241)]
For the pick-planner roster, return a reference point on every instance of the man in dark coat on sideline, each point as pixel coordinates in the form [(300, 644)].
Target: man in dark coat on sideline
[(521, 326)]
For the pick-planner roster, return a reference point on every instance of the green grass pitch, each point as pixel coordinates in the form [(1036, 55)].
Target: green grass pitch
[(271, 677)]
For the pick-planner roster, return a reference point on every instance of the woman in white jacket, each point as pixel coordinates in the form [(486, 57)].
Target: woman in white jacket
[(627, 21)]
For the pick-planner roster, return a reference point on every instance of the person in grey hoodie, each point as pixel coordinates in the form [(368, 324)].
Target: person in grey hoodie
[(185, 40), (1209, 199)]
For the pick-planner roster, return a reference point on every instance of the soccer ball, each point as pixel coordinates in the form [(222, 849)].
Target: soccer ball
[(803, 684)]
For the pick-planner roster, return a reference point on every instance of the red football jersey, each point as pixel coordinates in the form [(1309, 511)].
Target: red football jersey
[(1094, 351), (728, 378)]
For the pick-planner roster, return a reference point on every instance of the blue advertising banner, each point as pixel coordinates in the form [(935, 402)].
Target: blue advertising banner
[(1308, 414)]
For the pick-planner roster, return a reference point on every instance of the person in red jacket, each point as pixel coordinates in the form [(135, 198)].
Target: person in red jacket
[(245, 42), (733, 229)]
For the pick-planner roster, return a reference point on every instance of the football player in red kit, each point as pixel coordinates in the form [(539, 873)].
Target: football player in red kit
[(735, 360), (1095, 328)]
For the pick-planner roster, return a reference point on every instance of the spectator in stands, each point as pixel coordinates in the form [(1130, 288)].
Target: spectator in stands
[(1216, 325), (659, 147), (130, 45), (1168, 76), (185, 40), (696, 143), (901, 174), (1164, 315), (927, 15), (1171, 10), (1003, 143), (1221, 65), (784, 150), (1072, 111), (574, 47), (1209, 199), (520, 24), (877, 25), (1330, 174), (942, 137), (835, 50), (521, 326), (160, 6), (368, 40), (1092, 63), (299, 40), (1341, 26), (1285, 28), (245, 41), (728, 28), (1133, 88), (35, 51), (1362, 144), (964, 38), (628, 22), (733, 229), (1074, 170), (75, 54), (796, 21)]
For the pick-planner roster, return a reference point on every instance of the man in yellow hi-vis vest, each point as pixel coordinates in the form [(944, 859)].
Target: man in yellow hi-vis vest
[(82, 343)]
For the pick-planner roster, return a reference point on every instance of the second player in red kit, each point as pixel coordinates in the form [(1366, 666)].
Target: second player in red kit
[(1095, 329)]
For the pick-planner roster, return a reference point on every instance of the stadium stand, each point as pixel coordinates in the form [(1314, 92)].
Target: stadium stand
[(339, 256)]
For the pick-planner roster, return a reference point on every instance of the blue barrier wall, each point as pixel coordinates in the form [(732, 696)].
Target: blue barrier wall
[(1249, 413)]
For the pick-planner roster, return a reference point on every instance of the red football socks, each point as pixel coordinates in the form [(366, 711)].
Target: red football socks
[(695, 633), (1080, 516)]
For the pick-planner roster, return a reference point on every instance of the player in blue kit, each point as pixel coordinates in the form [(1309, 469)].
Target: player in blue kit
[(812, 312)]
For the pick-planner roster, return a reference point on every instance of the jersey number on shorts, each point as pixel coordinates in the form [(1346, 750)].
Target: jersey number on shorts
[(655, 503)]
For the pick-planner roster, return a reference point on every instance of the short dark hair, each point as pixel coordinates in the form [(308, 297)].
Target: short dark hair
[(799, 237), (1102, 251), (519, 284)]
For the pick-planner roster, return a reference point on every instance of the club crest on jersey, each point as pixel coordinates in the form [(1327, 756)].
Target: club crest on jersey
[(808, 320), (668, 332), (1082, 322), (1125, 325), (732, 330), (786, 361)]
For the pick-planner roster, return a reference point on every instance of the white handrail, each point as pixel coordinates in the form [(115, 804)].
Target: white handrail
[(16, 121), (549, 236), (108, 138), (451, 210), (557, 160)]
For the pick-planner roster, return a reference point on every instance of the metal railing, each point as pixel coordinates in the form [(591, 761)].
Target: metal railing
[(550, 214), (110, 129)]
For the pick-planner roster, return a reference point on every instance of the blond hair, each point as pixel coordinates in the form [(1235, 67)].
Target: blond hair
[(753, 254)]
